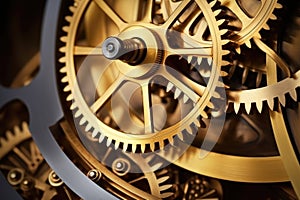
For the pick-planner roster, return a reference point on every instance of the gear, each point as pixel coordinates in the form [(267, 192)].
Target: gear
[(25, 167), (141, 76), (269, 94)]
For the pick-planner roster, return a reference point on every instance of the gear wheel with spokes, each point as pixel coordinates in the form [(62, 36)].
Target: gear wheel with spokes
[(138, 55)]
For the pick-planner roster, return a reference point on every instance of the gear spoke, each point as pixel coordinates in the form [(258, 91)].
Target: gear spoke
[(80, 50), (174, 16), (148, 117), (110, 13), (108, 93)]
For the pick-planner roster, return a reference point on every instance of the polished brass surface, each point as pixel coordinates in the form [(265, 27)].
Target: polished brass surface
[(161, 99)]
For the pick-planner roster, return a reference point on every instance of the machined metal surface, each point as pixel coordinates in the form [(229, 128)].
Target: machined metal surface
[(154, 99)]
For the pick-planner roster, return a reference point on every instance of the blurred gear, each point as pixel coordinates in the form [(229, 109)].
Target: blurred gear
[(152, 99)]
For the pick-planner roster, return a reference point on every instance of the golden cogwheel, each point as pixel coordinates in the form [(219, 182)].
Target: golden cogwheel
[(127, 49)]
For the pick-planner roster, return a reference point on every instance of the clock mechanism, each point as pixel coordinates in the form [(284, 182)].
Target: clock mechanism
[(151, 99)]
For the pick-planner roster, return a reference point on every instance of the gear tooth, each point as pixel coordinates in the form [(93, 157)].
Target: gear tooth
[(72, 9), (63, 38), (223, 74), (67, 88), (64, 79), (68, 18), (25, 126), (73, 106), (133, 149), (152, 146), (259, 106), (165, 187), (258, 36), (189, 59), (223, 31), (248, 107), (166, 195), (65, 29), (63, 70), (62, 60), (180, 57), (17, 130), (213, 3), (77, 114), (161, 145), (117, 144), (210, 105), (70, 97), (225, 41), (221, 21), (62, 49), (88, 127), (217, 12), (185, 98), (245, 75), (2, 141), (101, 138), (293, 94), (162, 179), (278, 6), (225, 63), (199, 60), (248, 44), (108, 142), (273, 17), (197, 123), (236, 107), (266, 27), (9, 134), (180, 136), (270, 103), (209, 61), (171, 140), (169, 86), (95, 133), (238, 50), (82, 121), (216, 95), (204, 114), (189, 130), (282, 99), (221, 84), (225, 52), (177, 93), (143, 148)]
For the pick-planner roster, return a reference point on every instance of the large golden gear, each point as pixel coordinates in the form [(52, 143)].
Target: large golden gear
[(149, 33), (264, 89)]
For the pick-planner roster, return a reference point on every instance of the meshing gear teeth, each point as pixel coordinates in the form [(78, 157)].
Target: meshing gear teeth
[(118, 139), (251, 29)]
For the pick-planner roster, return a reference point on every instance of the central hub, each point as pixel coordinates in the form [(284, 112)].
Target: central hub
[(132, 51), (138, 48)]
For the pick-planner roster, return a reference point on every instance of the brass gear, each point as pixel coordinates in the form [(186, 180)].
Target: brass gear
[(201, 98)]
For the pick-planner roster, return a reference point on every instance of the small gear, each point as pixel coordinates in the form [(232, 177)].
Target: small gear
[(181, 88)]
